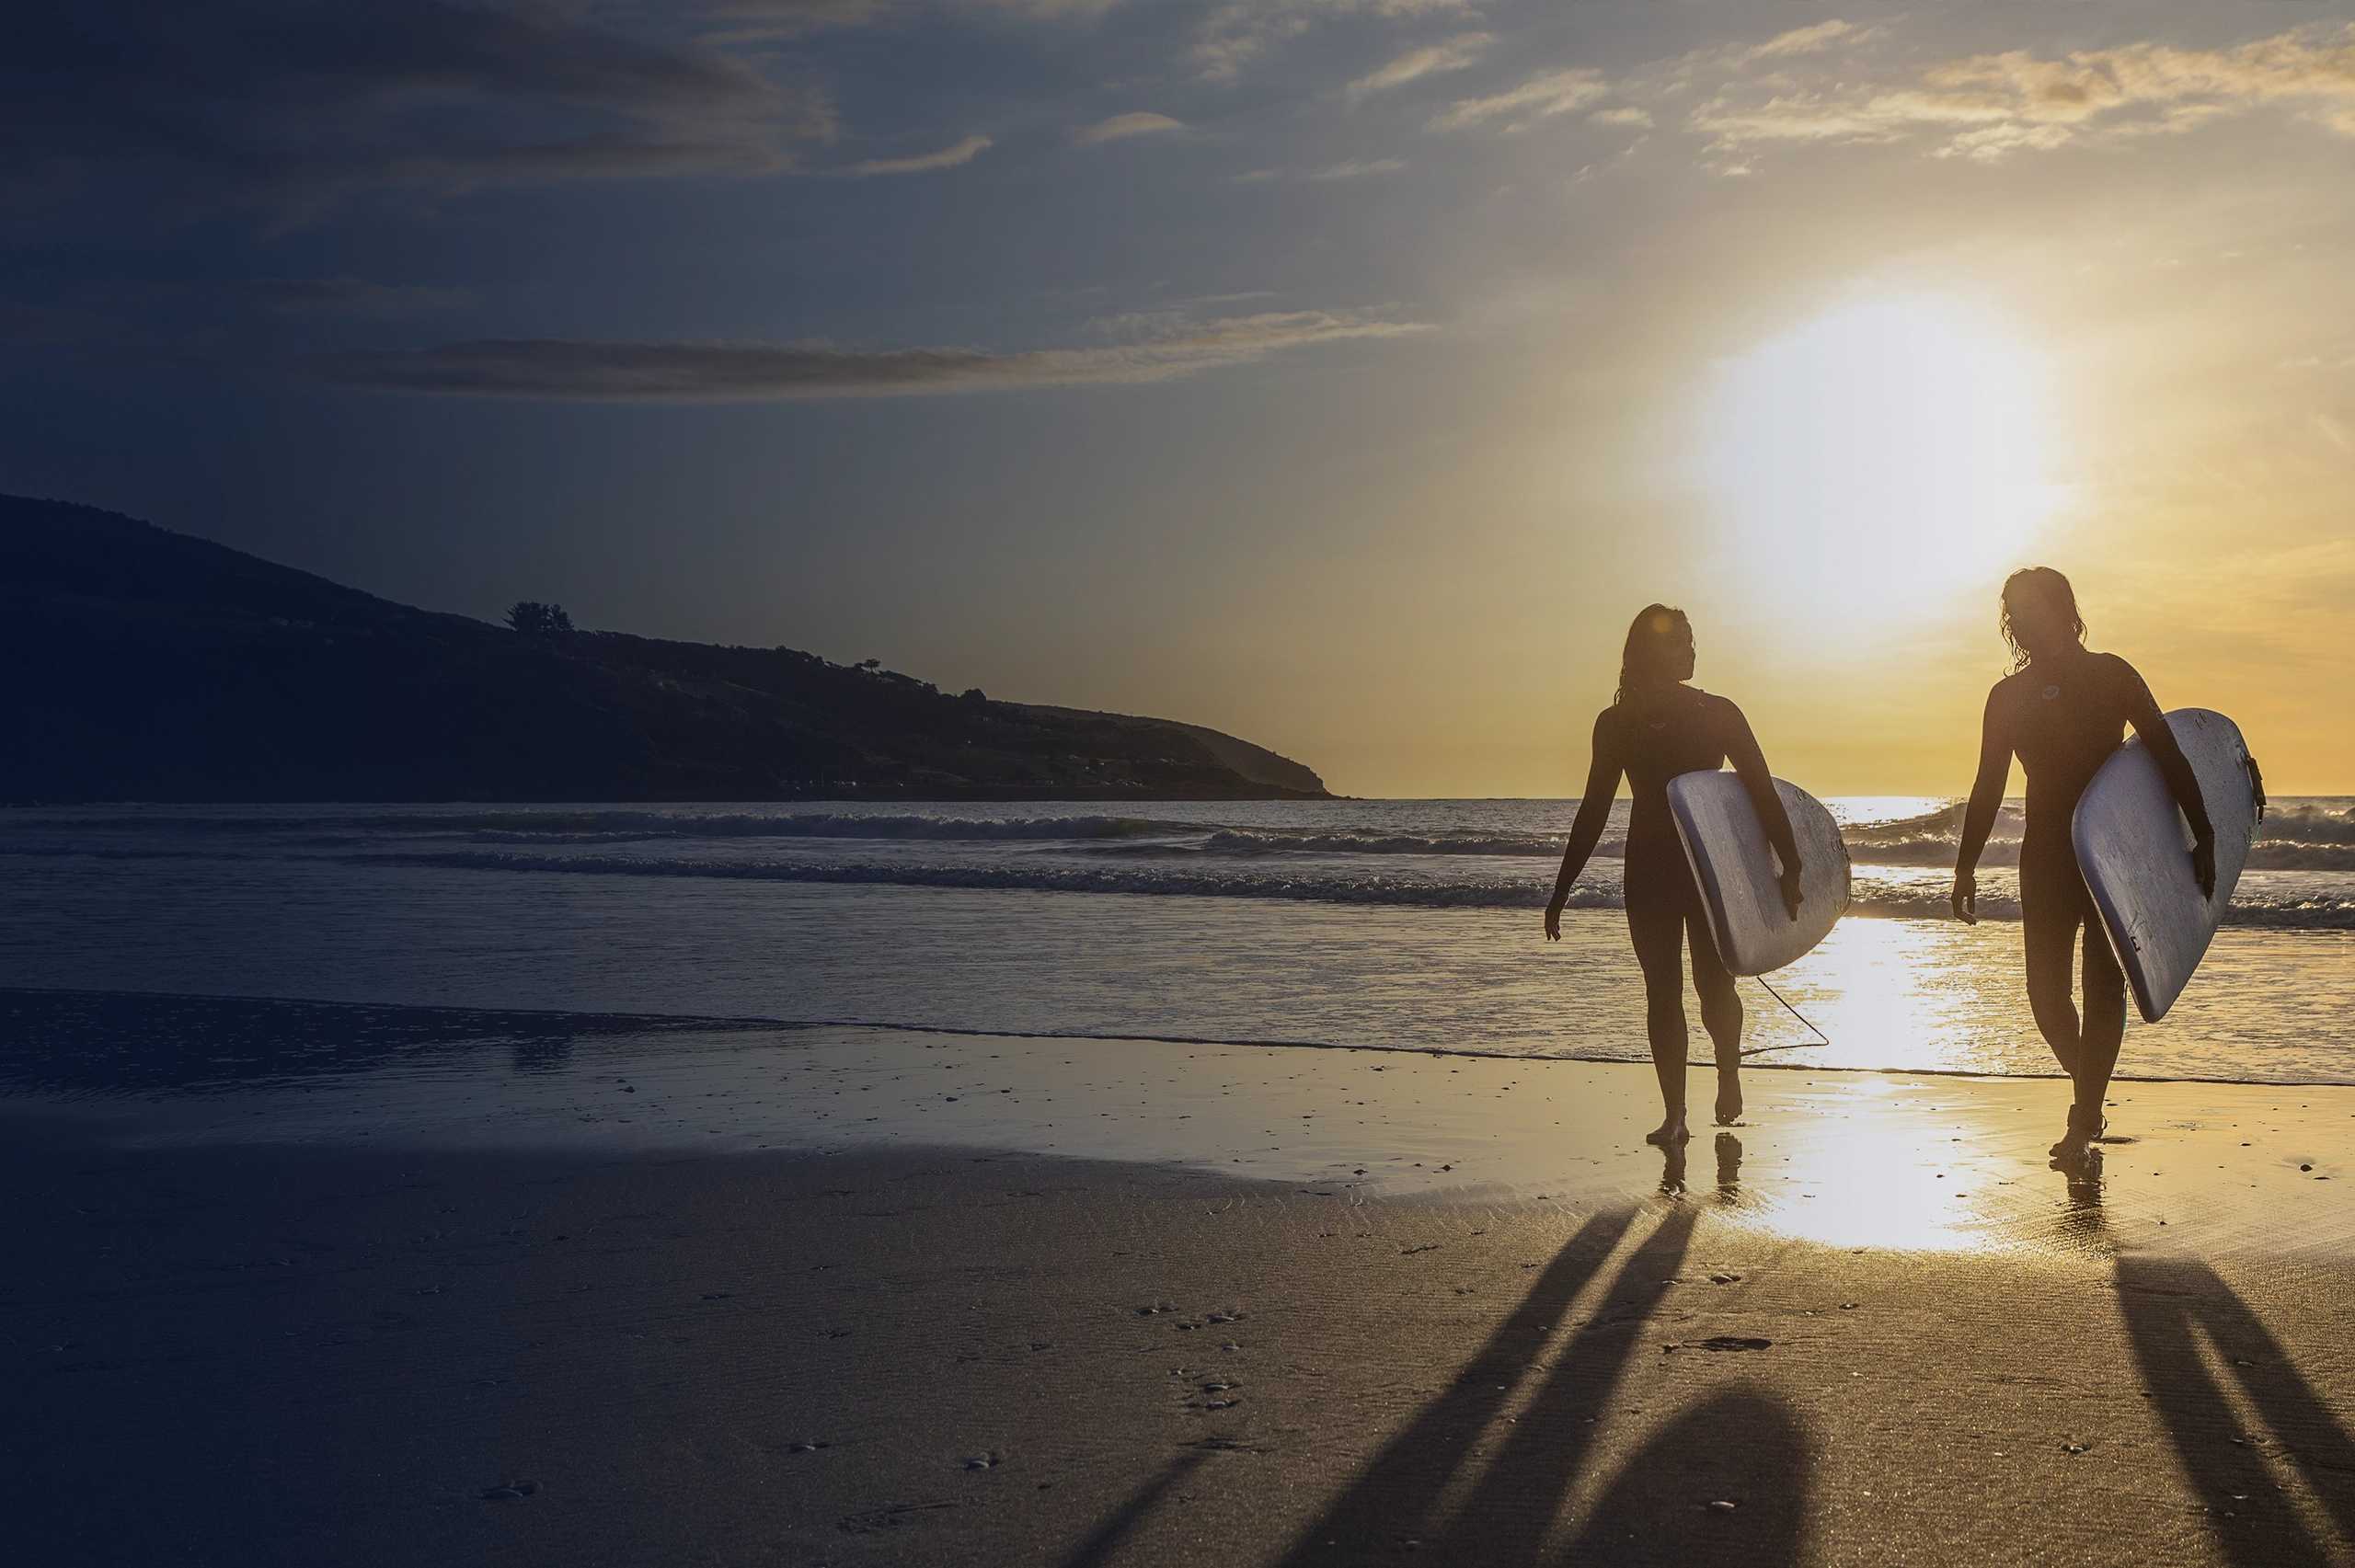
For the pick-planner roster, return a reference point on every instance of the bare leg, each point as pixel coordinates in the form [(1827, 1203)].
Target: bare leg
[(2050, 942), (2053, 910), (1659, 937), (2105, 1026), (1720, 1016)]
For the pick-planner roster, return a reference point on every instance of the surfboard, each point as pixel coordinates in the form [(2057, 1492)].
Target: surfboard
[(1736, 869), (2134, 846)]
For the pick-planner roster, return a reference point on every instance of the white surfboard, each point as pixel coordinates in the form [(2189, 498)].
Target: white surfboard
[(2134, 847), (1736, 869)]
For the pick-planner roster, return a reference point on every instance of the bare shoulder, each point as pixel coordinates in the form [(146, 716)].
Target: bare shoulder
[(2123, 682), (2115, 668)]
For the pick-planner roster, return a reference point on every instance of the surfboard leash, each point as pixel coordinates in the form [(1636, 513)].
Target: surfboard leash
[(1821, 1037)]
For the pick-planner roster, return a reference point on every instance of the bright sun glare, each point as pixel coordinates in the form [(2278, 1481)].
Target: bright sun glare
[(1880, 459)]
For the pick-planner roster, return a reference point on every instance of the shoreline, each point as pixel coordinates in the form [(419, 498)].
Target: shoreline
[(674, 1021), (284, 1284)]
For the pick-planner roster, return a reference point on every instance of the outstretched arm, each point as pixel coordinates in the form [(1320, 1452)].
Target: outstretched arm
[(2142, 712), (1979, 817), (1595, 810), (1750, 766)]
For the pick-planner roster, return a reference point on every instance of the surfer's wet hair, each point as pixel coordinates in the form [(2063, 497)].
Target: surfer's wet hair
[(1656, 639), (2045, 590)]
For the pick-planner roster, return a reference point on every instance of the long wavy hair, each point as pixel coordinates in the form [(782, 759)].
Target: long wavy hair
[(1656, 639), (2046, 589)]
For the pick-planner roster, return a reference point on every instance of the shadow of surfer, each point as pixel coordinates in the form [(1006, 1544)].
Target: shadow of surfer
[(1656, 728), (2239, 1415), (1477, 1480), (2062, 710)]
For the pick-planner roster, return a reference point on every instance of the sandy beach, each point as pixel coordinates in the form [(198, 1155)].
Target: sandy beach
[(557, 1303)]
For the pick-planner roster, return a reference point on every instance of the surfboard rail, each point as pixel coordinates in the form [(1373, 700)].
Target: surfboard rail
[(2133, 847), (1736, 871)]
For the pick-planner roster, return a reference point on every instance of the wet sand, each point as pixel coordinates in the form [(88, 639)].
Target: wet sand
[(1881, 1331)]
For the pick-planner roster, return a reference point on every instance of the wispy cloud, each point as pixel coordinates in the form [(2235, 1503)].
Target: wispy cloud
[(293, 105), (1350, 168), (347, 295), (946, 158), (749, 22), (566, 370), (1238, 31), (1990, 106), (1556, 92), (1138, 124), (1829, 84), (1453, 55)]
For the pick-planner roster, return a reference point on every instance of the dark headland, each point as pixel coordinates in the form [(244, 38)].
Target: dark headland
[(150, 665)]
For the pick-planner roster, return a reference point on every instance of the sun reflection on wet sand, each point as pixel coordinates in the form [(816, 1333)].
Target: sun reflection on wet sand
[(1908, 1162)]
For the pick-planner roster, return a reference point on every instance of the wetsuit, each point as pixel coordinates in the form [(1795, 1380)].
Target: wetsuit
[(2062, 719), (1651, 738)]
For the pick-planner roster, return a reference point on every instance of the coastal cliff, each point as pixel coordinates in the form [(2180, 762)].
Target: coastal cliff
[(149, 665)]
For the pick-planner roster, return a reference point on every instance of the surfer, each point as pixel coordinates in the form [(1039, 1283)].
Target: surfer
[(2062, 710), (1656, 728)]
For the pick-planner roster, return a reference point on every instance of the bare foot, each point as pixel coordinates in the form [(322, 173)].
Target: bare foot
[(1728, 1098), (2076, 1144), (1673, 1130)]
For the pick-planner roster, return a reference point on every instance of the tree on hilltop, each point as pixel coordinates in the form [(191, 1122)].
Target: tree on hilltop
[(533, 618)]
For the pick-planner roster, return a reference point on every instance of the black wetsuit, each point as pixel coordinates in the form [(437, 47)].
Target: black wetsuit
[(1652, 739), (2062, 720)]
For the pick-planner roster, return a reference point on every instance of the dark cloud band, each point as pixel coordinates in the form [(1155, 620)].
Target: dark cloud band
[(288, 103), (708, 372)]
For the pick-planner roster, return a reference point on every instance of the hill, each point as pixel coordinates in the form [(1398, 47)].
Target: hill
[(147, 665)]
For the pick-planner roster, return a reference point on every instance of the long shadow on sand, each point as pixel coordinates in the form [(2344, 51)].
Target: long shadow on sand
[(2191, 1333), (1424, 1498)]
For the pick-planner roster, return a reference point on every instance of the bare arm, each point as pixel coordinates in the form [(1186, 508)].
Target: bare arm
[(2143, 713), (1586, 829), (1979, 817), (1750, 766)]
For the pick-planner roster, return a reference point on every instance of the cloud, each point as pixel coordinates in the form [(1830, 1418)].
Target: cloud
[(756, 20), (1823, 83), (1350, 168), (1139, 125), (1806, 41), (1991, 105), (1453, 55), (347, 295), (1238, 31), (723, 373), (946, 158), (293, 105), (1556, 92)]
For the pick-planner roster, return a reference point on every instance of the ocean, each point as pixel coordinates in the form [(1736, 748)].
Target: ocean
[(1389, 924)]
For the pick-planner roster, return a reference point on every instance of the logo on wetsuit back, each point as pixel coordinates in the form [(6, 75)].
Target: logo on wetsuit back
[(2051, 692)]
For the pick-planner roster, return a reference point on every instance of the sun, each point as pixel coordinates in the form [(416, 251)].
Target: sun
[(1880, 460)]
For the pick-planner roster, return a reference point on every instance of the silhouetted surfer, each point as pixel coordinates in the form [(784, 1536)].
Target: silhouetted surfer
[(2062, 711), (1657, 729)]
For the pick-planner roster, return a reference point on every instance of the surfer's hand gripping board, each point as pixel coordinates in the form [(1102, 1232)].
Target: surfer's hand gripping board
[(1759, 927), (2159, 894)]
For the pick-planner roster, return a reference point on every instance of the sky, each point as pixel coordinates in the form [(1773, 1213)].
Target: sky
[(1341, 373)]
